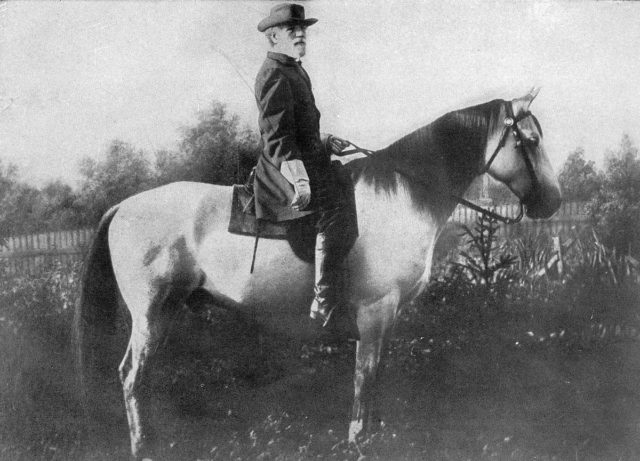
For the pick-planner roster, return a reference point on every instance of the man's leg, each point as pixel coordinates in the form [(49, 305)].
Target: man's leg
[(336, 235), (326, 272)]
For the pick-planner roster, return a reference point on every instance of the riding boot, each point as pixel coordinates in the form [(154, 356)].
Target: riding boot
[(329, 304), (324, 300)]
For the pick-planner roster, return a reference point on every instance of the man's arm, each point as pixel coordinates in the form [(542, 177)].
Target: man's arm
[(333, 145), (277, 125)]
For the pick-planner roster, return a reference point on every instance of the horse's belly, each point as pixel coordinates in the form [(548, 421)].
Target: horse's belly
[(279, 291)]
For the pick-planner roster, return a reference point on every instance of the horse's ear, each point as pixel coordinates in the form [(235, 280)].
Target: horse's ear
[(521, 105), (533, 92)]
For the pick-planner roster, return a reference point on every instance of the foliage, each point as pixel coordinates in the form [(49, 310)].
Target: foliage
[(579, 178), (216, 150), (123, 172), (25, 208), (35, 326), (14, 198), (58, 207), (514, 296), (482, 327), (616, 208), (480, 262)]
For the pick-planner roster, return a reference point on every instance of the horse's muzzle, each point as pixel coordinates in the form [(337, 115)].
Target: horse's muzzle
[(544, 203)]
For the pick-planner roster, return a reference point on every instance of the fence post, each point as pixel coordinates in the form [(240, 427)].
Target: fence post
[(557, 248)]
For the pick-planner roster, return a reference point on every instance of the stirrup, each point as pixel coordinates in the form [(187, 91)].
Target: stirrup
[(318, 314)]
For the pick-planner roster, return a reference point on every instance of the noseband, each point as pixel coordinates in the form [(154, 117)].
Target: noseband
[(510, 125)]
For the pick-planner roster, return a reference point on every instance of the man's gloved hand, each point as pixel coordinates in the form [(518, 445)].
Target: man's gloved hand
[(303, 196), (336, 144), (295, 172)]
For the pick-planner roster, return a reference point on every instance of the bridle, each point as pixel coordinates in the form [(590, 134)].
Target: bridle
[(510, 125)]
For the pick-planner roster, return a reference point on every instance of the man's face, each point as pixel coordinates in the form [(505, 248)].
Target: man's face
[(291, 40)]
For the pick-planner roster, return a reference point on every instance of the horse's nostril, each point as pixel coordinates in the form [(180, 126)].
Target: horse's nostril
[(543, 204)]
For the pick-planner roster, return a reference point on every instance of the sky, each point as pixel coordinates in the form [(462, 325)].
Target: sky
[(76, 75)]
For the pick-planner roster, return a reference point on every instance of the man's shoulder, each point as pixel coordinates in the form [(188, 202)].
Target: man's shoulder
[(270, 66), (270, 71)]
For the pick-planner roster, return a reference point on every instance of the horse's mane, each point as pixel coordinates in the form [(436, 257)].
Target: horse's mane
[(446, 154)]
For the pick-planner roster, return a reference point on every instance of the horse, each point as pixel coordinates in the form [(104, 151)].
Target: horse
[(157, 248)]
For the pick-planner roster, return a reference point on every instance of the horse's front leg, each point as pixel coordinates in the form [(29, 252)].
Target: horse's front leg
[(374, 322)]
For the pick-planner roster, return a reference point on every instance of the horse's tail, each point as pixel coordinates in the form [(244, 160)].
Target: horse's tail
[(95, 315)]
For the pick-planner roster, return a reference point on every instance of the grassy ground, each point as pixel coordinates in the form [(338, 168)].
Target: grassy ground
[(504, 366), (487, 400)]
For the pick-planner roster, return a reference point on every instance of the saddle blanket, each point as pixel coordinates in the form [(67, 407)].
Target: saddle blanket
[(300, 233)]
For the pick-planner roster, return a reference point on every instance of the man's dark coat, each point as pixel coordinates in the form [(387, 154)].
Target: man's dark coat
[(290, 130)]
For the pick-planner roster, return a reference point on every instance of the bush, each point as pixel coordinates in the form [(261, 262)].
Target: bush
[(616, 207), (502, 292), (36, 362)]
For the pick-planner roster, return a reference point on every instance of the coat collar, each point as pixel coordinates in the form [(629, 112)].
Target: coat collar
[(282, 58)]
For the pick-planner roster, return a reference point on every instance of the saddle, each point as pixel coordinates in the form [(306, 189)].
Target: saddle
[(300, 233)]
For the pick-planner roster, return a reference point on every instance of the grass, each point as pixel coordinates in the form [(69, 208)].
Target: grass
[(525, 368)]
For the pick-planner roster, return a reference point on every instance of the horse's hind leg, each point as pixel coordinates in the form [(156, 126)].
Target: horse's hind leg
[(145, 340), (374, 322), (148, 330)]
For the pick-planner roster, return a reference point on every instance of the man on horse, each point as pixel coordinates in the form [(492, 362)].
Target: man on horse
[(294, 175)]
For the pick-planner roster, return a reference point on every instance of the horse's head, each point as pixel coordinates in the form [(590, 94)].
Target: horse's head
[(516, 157)]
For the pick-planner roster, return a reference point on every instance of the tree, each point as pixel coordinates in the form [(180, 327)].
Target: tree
[(57, 207), (17, 207), (16, 202), (124, 172), (579, 179), (616, 206), (216, 150)]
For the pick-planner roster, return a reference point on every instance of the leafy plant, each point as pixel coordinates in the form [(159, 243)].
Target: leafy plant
[(481, 262)]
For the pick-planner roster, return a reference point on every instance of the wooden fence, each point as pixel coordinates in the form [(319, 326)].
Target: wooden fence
[(30, 254), (571, 217)]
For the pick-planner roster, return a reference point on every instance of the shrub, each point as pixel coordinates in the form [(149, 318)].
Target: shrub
[(504, 292), (616, 207), (36, 362)]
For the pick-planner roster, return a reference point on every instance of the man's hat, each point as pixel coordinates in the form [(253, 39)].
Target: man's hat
[(285, 13)]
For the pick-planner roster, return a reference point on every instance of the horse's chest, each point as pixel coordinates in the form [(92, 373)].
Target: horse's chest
[(395, 246)]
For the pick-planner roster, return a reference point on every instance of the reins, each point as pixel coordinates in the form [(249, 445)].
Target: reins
[(510, 123)]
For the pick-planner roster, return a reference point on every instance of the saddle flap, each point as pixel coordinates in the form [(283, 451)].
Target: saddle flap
[(301, 232), (243, 217)]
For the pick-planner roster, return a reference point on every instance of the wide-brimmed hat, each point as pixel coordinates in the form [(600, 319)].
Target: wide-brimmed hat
[(285, 13)]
